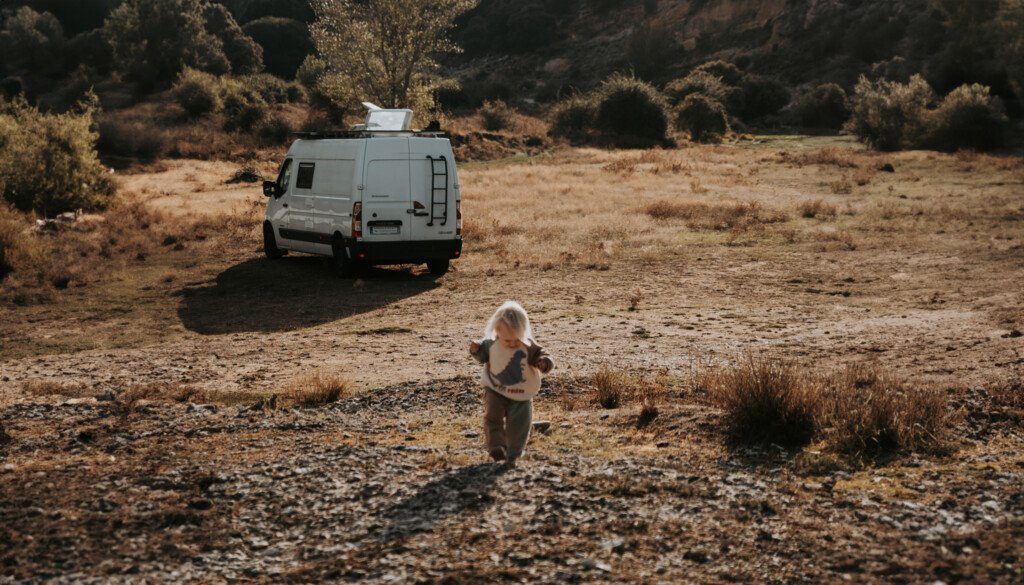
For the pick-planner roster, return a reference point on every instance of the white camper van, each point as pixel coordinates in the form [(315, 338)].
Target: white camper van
[(378, 194)]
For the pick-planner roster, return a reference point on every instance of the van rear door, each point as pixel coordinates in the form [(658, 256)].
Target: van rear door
[(434, 188), (385, 191)]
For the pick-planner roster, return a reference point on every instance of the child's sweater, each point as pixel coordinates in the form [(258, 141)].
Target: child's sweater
[(513, 373)]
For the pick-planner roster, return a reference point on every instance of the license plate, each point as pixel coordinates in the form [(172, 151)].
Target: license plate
[(384, 230)]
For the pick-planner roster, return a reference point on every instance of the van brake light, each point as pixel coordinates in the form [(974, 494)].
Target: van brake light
[(357, 220), (458, 217)]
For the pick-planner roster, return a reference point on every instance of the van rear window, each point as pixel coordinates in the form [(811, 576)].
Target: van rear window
[(305, 178)]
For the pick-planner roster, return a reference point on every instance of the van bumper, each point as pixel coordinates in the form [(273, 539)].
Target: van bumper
[(405, 252)]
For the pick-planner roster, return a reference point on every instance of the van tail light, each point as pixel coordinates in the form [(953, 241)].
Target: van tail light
[(357, 220), (458, 217)]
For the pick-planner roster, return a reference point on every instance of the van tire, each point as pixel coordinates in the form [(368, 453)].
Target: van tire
[(270, 243), (341, 264), (438, 267)]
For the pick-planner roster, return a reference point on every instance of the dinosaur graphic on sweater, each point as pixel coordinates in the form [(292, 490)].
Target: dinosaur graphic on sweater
[(513, 372)]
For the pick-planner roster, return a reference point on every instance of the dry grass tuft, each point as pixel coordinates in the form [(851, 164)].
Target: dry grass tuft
[(317, 389), (830, 156), (45, 388), (716, 217), (867, 412), (613, 388), (859, 412), (765, 401), (841, 187), (817, 209)]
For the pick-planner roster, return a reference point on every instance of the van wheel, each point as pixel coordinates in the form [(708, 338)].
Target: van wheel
[(342, 265), (438, 267), (270, 243)]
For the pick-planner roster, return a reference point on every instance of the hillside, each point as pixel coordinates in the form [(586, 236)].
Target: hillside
[(554, 47)]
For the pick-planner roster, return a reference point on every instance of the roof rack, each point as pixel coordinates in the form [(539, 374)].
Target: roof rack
[(329, 134)]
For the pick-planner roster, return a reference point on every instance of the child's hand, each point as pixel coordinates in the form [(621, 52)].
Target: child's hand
[(544, 365), (474, 347)]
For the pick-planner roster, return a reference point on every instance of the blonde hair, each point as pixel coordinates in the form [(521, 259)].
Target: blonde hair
[(514, 316)]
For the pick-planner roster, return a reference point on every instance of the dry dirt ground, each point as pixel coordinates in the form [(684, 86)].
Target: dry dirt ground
[(655, 261)]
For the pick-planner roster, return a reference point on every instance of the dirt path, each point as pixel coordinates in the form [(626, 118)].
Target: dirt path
[(391, 486)]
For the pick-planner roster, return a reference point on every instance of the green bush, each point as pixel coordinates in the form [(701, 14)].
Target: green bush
[(244, 107), (48, 162), (285, 43), (30, 42), (311, 71), (573, 117), (244, 54), (197, 92), (276, 130), (727, 72), (888, 115), (497, 115), (762, 96), (700, 82), (969, 117), (703, 117), (824, 106), (273, 90), (629, 107)]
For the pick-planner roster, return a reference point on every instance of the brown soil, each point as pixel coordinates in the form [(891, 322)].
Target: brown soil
[(917, 271)]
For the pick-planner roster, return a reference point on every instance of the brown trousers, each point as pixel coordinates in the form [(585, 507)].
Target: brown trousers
[(507, 423)]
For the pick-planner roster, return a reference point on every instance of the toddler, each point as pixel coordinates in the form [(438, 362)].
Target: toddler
[(513, 364)]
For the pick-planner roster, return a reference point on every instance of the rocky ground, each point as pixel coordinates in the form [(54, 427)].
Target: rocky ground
[(391, 486)]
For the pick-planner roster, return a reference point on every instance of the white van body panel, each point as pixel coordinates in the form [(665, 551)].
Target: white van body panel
[(399, 178)]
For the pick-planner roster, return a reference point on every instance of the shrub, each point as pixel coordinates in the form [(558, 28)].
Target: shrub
[(766, 400), (197, 92), (762, 96), (868, 412), (700, 82), (311, 71), (132, 138), (628, 107), (969, 117), (727, 72), (273, 90), (317, 389), (276, 130), (496, 116), (243, 54), (31, 42), (285, 43), (574, 116), (888, 115), (703, 117), (816, 208), (48, 162), (823, 107), (244, 107)]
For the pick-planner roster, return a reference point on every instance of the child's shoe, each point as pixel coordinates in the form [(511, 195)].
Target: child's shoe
[(498, 454)]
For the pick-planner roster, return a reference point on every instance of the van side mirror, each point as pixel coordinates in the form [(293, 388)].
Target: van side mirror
[(270, 189)]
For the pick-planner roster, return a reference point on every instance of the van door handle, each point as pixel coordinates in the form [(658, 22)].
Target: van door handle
[(413, 211), (284, 205)]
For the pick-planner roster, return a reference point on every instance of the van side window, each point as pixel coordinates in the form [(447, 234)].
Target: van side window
[(305, 178), (285, 176)]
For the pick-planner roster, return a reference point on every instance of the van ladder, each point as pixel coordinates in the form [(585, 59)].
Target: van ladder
[(438, 193)]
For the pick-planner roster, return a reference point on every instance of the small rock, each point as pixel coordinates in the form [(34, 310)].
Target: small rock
[(471, 434), (662, 444), (605, 416), (8, 467), (106, 396), (200, 504), (616, 545), (697, 556), (542, 426), (887, 168)]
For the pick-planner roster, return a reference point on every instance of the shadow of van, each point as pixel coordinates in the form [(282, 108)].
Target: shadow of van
[(293, 293)]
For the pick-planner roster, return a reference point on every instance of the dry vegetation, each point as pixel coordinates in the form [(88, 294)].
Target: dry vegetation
[(317, 389)]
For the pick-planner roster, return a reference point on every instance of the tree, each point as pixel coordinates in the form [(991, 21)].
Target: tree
[(383, 50), (31, 42), (154, 40)]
